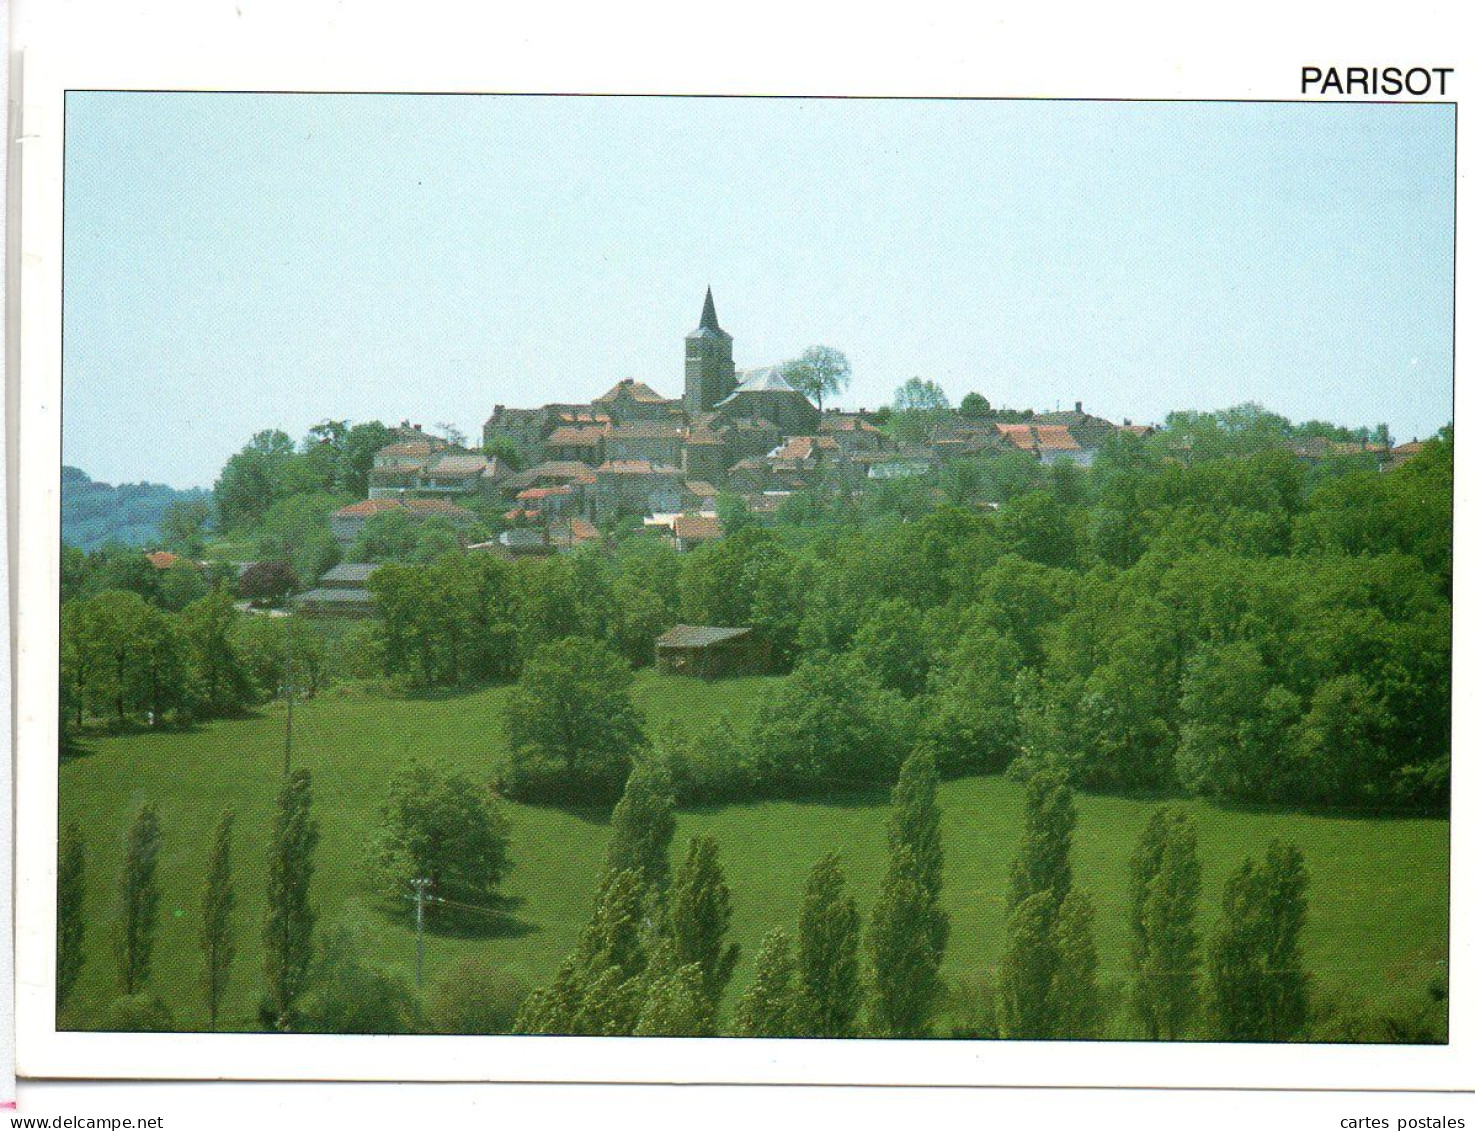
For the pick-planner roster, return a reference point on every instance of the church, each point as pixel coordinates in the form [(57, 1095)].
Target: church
[(725, 416)]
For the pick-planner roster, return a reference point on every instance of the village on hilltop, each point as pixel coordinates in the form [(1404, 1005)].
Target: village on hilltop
[(633, 451)]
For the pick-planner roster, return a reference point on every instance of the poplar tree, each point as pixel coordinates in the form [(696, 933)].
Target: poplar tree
[(915, 823), (71, 918), (698, 916), (769, 1006), (642, 825), (217, 932), (676, 1005), (1075, 1004), (829, 965), (140, 895), (909, 928), (1043, 863), (1166, 879), (1258, 987), (600, 988), (905, 983), (290, 916), (1027, 971)]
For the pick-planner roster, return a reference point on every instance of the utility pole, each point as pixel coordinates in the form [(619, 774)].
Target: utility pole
[(419, 884)]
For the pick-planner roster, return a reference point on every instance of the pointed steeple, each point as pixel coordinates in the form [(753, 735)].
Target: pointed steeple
[(709, 313)]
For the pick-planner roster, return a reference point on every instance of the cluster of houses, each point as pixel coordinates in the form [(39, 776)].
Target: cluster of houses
[(560, 470), (634, 452)]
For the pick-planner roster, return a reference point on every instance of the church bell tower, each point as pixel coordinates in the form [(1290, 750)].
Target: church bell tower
[(709, 371)]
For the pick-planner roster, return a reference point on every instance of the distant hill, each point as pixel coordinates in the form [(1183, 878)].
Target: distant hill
[(93, 514)]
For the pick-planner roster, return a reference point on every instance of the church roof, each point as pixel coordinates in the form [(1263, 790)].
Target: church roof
[(708, 327), (769, 379)]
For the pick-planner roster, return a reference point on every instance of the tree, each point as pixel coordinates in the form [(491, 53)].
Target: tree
[(183, 524), (600, 988), (1043, 863), (440, 825), (974, 406), (71, 911), (1258, 986), (571, 725), (889, 644), (347, 995), (474, 996), (909, 928), (919, 408), (1027, 970), (770, 1007), (1236, 724), (217, 931), (676, 1005), (820, 371), (222, 684), (1075, 1004), (1163, 905), (290, 916), (698, 914), (829, 724), (267, 582), (905, 984), (642, 826), (140, 896), (829, 964), (356, 457)]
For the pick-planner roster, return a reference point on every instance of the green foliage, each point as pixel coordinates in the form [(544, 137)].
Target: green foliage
[(829, 726), (474, 996), (571, 726), (439, 824), (1163, 892), (1027, 970), (974, 406), (290, 914), (919, 407), (770, 1006), (217, 929), (121, 657), (71, 915), (348, 995), (600, 989), (221, 682), (642, 825), (697, 917), (1258, 986), (829, 960), (448, 622), (139, 891), (905, 957), (820, 371), (676, 1006), (1042, 866), (969, 720), (889, 644), (142, 1012), (1076, 1006), (295, 530)]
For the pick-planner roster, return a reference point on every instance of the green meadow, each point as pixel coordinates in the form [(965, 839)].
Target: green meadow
[(1379, 896)]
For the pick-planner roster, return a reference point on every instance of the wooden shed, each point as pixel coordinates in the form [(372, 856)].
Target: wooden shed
[(709, 652)]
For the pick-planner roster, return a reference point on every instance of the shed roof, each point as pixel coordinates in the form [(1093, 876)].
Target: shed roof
[(347, 572), (699, 636)]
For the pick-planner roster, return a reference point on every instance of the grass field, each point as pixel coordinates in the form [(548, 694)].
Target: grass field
[(1378, 901)]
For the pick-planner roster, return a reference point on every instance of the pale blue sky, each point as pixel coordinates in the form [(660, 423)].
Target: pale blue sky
[(236, 262)]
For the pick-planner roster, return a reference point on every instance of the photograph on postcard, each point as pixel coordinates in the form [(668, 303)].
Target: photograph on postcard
[(977, 570)]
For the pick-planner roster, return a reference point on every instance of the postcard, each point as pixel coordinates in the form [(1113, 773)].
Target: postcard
[(741, 589)]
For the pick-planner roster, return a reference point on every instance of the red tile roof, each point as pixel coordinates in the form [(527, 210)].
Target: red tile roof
[(638, 391), (366, 508), (635, 467), (698, 527), (162, 559)]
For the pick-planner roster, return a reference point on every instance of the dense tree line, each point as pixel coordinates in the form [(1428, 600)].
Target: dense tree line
[(1218, 617)]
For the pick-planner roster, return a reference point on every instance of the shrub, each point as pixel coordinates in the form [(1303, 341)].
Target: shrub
[(474, 996)]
